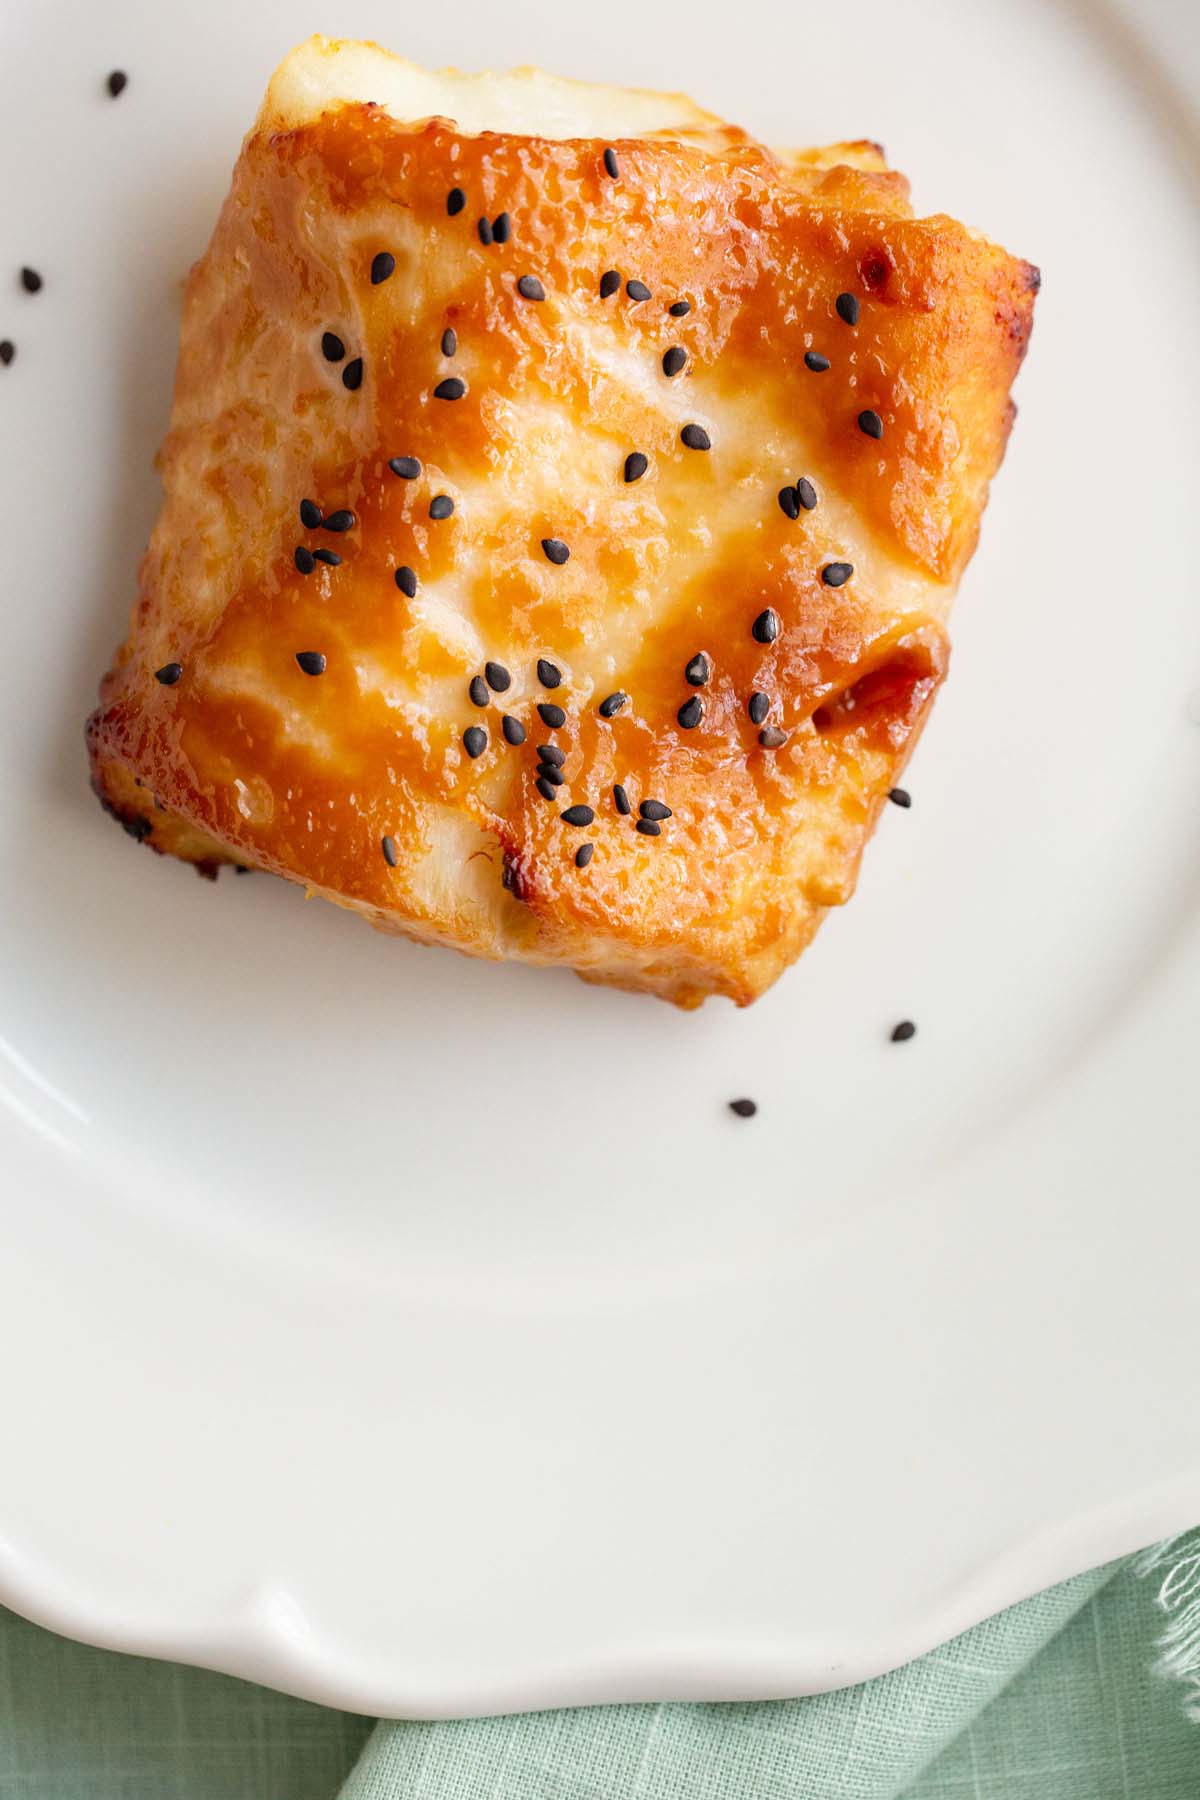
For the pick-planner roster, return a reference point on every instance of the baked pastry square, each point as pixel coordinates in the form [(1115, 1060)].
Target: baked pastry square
[(564, 499)]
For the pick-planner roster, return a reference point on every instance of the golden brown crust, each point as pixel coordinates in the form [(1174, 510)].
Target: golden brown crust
[(249, 758)]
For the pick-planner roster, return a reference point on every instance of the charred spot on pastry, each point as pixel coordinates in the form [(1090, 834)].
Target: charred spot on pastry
[(875, 269), (511, 877)]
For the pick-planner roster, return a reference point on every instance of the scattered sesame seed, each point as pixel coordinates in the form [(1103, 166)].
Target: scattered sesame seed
[(169, 673), (31, 281), (770, 737), (654, 809), (530, 288), (691, 713), (584, 855), (806, 493), (847, 308), (501, 228), (497, 677), (745, 1109), (328, 556), (696, 438), (789, 502), (679, 309), (310, 514), (903, 1031), (455, 201), (609, 708), (552, 755), (636, 465), (514, 731), (674, 360), (816, 362), (441, 506), (484, 228), (649, 828), (390, 856), (406, 581), (545, 788), (552, 716), (117, 82), (548, 673), (610, 281), (900, 797), (697, 671), (474, 740), (621, 800), (452, 388), (304, 560), (556, 551), (332, 347), (382, 265), (549, 772), (837, 574), (449, 341), (577, 815), (477, 690), (610, 163), (870, 423), (7, 351), (758, 707), (765, 628), (311, 661), (341, 520), (637, 290), (406, 467), (352, 374)]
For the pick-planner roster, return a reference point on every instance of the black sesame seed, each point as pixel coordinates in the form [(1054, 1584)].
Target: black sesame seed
[(609, 708), (501, 228), (637, 290), (649, 828), (636, 465), (806, 493), (352, 374), (758, 706), (449, 341), (654, 809), (328, 556), (548, 673), (7, 351), (406, 581), (691, 713), (390, 856), (169, 673), (332, 347), (549, 772), (497, 677), (452, 388), (621, 800), (745, 1109), (847, 308), (484, 228), (514, 731), (552, 716), (530, 288), (406, 467), (789, 502), (697, 671), (679, 309), (117, 82), (584, 855), (310, 514), (304, 560), (816, 362), (900, 797), (545, 788), (455, 201), (770, 737), (577, 815), (341, 520), (696, 438), (477, 689), (837, 574), (903, 1031), (551, 755), (765, 628), (674, 360), (870, 423), (311, 661), (474, 740), (441, 506), (556, 551), (610, 163), (610, 281), (31, 281), (382, 265)]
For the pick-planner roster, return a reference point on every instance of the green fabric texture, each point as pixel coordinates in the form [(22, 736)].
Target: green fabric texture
[(1054, 1699)]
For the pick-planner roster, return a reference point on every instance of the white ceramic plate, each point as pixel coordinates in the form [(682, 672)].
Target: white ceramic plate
[(428, 1337)]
